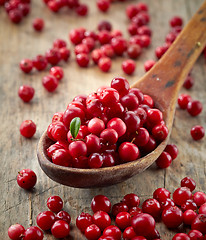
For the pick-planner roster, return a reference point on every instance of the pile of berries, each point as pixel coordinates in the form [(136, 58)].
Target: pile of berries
[(113, 125), (81, 9), (16, 9), (139, 223), (56, 220)]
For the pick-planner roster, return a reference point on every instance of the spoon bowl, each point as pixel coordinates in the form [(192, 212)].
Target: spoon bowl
[(162, 83)]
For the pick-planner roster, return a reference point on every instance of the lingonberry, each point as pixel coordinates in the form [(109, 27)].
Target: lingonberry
[(112, 231), (189, 183), (131, 200), (77, 149), (135, 211), (194, 108), (119, 207), (59, 43), (121, 85), (199, 223), (154, 116), (160, 51), (189, 204), (58, 131), (27, 128), (164, 160), (92, 232), (53, 56), (170, 37), (72, 112), (199, 198), (89, 42), (130, 101), (183, 100), (109, 136), (62, 215), (76, 35), (60, 229), (45, 220), (132, 121), (152, 207), (172, 217), (50, 83), (104, 37), (109, 96), (172, 150), (62, 157), (119, 45), (161, 194), (123, 220), (81, 48), (138, 94), (160, 132), (103, 5), (167, 203), (95, 160), (32, 233), (188, 216), (195, 235), (132, 29), (148, 101), (129, 233), (40, 62), (64, 53), (108, 160), (101, 219), (189, 82), (202, 209), (96, 126), (104, 25), (54, 6), (52, 149), (82, 59), (38, 24), (134, 51), (96, 55), (149, 64), (100, 202), (93, 143), (107, 50), (181, 195), (16, 231), (143, 224), (55, 203), (26, 65), (82, 10), (83, 221), (15, 15), (142, 7), (57, 72), (105, 64), (128, 152), (128, 66), (176, 21), (131, 11), (26, 93), (144, 30), (116, 33), (145, 41), (197, 132), (180, 236)]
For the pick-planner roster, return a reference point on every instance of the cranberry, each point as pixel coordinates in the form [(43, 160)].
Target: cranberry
[(28, 128), (202, 209), (103, 5), (189, 183), (170, 37), (96, 55), (116, 33), (142, 7), (92, 232), (77, 149), (64, 53), (93, 143), (32, 233), (57, 72), (188, 216), (100, 202), (181, 195), (144, 30), (149, 64), (197, 132), (83, 221), (50, 83), (128, 66), (40, 62), (62, 215), (172, 217), (104, 37), (38, 24), (53, 56), (129, 233), (119, 45), (189, 204), (16, 231), (188, 83), (26, 93), (135, 211), (195, 235), (15, 15), (45, 220), (152, 207), (132, 29), (89, 42), (54, 6), (112, 231), (164, 160), (143, 224), (176, 21), (109, 136), (148, 101), (59, 43), (105, 64), (161, 194), (180, 236), (25, 8), (76, 36), (95, 160), (172, 150), (60, 229), (52, 149), (160, 132), (128, 152), (134, 51), (167, 203), (199, 223), (199, 198), (62, 157), (131, 11), (82, 59), (194, 108), (82, 10), (107, 50), (26, 65), (123, 220), (119, 207), (160, 51), (101, 219), (121, 85), (183, 100), (104, 25), (55, 203), (81, 48)]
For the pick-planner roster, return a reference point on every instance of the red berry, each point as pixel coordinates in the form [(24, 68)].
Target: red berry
[(180, 236), (64, 53), (148, 101), (160, 51), (199, 223), (92, 232), (101, 219), (172, 150), (82, 59), (176, 21), (129, 233), (112, 231), (149, 64), (38, 24), (60, 229), (26, 178), (167, 203), (123, 220), (57, 72), (26, 65), (183, 100), (59, 43), (100, 202), (104, 37), (81, 48), (119, 207), (83, 221), (26, 93), (131, 11), (33, 233), (16, 231), (152, 207), (76, 36), (134, 51), (103, 5), (142, 7), (104, 25), (89, 42), (189, 183), (62, 215), (194, 108), (202, 209), (77, 149), (105, 64), (128, 66), (188, 216), (109, 136), (15, 15), (189, 82), (55, 203), (161, 194), (197, 132), (128, 152), (195, 235), (50, 83), (121, 85), (160, 132), (45, 220), (96, 55), (95, 160), (172, 217), (82, 10), (181, 195), (131, 200), (119, 45), (199, 198), (40, 62), (28, 128), (62, 157), (164, 160)]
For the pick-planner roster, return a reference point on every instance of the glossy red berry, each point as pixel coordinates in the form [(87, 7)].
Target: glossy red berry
[(77, 149), (134, 51), (194, 108), (92, 232), (15, 15), (60, 229), (160, 132), (28, 128), (129, 233), (189, 183), (112, 231), (152, 207), (149, 64), (82, 10), (181, 195), (50, 83), (16, 231), (26, 93), (89, 42), (164, 160), (180, 236), (128, 152), (199, 223), (40, 62), (82, 59), (202, 209), (167, 203), (55, 203), (189, 82), (33, 233), (100, 203), (53, 56), (105, 64), (62, 215), (172, 217), (172, 150), (101, 219), (188, 216), (123, 220), (197, 132), (199, 198), (119, 45), (57, 72), (38, 24), (176, 21), (103, 5), (83, 221), (183, 100), (161, 194), (26, 65), (95, 160), (195, 235), (119, 207), (64, 53), (128, 66), (45, 220), (26, 179), (59, 43), (62, 157)]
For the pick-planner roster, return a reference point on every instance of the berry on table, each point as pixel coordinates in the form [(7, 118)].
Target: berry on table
[(83, 221), (55, 203), (149, 64), (45, 220), (105, 64), (194, 108), (33, 233), (92, 232), (103, 5), (82, 59), (164, 160), (189, 183), (26, 179), (28, 128), (172, 150), (40, 62), (128, 66), (172, 217), (197, 132), (60, 229), (26, 93), (26, 65), (176, 21), (38, 24), (57, 72), (16, 231), (100, 202), (183, 100), (50, 83)]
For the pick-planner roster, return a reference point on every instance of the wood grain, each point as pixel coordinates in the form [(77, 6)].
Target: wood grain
[(18, 42)]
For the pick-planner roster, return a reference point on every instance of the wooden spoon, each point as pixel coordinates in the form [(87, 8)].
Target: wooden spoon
[(162, 83)]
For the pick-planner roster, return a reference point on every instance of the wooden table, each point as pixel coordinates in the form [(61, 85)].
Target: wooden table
[(18, 42)]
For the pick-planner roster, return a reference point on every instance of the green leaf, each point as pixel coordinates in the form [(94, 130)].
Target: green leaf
[(74, 126)]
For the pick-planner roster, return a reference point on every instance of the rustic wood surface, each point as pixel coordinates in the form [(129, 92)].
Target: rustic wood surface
[(18, 42)]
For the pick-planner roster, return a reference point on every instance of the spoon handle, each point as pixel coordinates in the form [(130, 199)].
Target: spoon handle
[(167, 76)]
